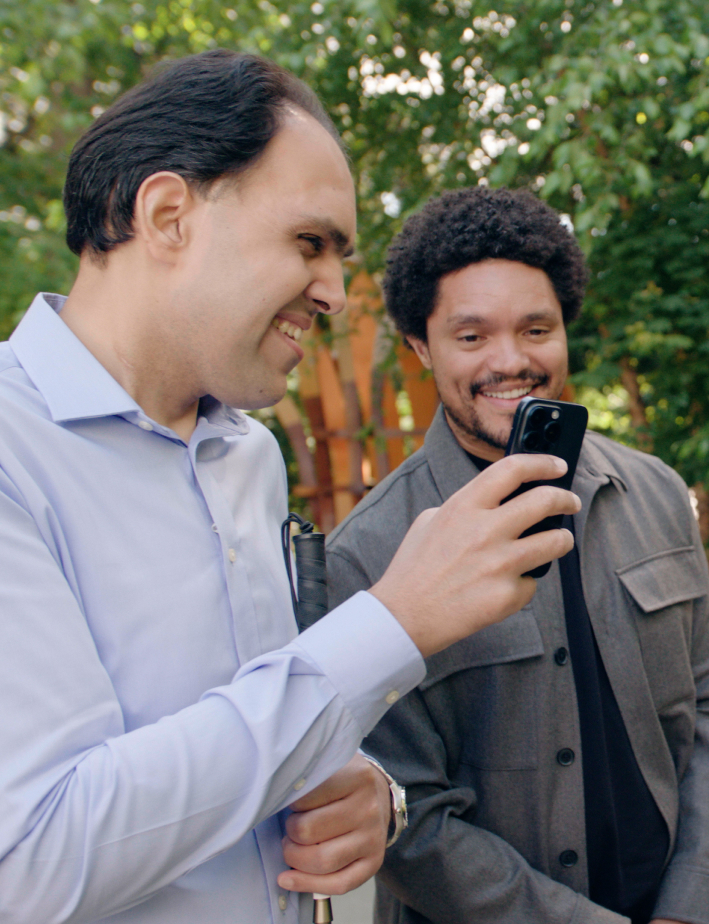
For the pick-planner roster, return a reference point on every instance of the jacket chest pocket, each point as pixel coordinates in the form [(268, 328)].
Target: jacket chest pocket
[(664, 587), (482, 695)]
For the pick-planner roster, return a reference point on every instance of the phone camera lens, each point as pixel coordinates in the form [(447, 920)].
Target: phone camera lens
[(552, 431), (532, 441), (537, 417)]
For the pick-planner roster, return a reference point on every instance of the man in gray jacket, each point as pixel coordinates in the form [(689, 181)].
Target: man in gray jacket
[(556, 764)]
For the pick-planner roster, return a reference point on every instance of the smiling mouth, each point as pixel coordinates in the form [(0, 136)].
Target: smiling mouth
[(290, 330), (509, 395)]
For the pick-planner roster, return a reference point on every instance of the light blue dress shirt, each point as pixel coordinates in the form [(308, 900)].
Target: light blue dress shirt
[(157, 711)]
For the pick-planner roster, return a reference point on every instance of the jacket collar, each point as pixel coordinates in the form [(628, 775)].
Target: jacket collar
[(595, 465), (451, 467)]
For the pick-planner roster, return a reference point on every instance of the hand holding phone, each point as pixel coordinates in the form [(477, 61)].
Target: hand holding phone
[(542, 425)]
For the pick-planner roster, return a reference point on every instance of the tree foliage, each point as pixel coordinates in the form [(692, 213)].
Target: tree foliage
[(602, 107)]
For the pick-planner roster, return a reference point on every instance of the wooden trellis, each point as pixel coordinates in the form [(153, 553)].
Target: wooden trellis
[(348, 405)]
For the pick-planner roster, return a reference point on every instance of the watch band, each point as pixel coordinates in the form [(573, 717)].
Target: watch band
[(399, 809)]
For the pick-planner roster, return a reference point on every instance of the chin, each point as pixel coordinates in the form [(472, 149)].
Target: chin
[(265, 398), (498, 441)]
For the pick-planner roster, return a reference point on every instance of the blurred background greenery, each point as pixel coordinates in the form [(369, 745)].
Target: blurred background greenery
[(601, 107)]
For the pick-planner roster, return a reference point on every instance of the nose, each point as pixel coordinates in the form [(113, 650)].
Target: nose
[(327, 289), (508, 356)]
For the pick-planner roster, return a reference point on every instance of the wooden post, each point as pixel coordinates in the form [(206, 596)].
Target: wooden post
[(333, 405), (421, 389), (309, 390), (342, 352), (365, 304), (389, 448), (289, 417)]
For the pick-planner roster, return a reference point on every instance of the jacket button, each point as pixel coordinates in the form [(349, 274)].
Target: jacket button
[(561, 656), (568, 858), (565, 757)]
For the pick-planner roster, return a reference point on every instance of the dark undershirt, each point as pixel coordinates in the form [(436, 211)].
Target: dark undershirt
[(626, 836)]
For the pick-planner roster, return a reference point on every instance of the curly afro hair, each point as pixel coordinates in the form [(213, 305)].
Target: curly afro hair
[(470, 225)]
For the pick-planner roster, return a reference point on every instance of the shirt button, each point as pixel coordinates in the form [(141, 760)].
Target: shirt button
[(568, 858), (299, 784), (215, 527), (232, 555), (561, 656), (565, 757), (282, 902), (392, 697), (145, 425)]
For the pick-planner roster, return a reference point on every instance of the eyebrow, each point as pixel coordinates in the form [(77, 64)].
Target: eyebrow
[(540, 316), (460, 320), (477, 320)]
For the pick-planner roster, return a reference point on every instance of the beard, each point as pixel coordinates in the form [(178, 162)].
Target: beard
[(473, 426)]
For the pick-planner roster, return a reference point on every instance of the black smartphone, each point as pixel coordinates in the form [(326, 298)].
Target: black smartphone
[(556, 428)]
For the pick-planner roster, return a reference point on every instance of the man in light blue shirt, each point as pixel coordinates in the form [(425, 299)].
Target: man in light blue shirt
[(158, 712)]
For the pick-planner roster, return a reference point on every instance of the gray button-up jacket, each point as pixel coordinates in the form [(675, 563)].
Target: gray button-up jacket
[(494, 815)]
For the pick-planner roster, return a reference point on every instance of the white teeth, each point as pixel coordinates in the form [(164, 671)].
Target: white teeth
[(515, 393), (290, 330)]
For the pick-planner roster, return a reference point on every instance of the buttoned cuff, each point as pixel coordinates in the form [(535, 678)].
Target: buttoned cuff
[(366, 655)]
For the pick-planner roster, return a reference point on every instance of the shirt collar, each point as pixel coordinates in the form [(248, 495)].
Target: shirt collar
[(68, 376), (73, 382)]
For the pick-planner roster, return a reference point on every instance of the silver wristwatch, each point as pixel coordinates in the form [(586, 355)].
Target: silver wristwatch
[(399, 812)]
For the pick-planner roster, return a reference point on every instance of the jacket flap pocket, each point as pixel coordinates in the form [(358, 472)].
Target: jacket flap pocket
[(514, 639), (665, 578)]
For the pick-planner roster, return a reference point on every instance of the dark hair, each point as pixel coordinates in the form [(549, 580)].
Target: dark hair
[(204, 117), (470, 225)]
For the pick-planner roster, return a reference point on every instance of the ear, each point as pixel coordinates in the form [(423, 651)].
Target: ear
[(420, 348), (163, 206)]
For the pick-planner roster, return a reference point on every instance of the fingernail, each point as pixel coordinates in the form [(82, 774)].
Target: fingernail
[(560, 464), (285, 882)]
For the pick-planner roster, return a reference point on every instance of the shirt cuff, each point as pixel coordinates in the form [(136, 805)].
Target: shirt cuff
[(366, 655)]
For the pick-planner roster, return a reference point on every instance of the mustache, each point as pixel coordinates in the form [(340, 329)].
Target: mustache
[(525, 378)]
